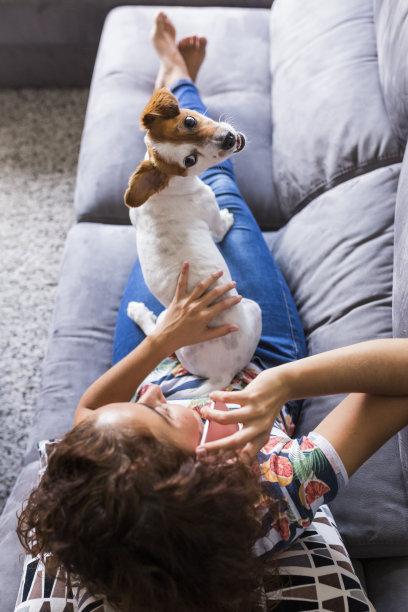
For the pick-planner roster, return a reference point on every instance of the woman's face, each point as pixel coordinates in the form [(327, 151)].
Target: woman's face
[(174, 422)]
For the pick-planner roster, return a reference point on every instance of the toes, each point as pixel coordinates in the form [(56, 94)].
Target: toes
[(160, 17), (193, 42)]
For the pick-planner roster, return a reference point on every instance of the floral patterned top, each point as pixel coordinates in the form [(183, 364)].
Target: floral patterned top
[(298, 475)]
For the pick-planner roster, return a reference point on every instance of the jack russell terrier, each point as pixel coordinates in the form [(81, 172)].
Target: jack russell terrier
[(177, 219)]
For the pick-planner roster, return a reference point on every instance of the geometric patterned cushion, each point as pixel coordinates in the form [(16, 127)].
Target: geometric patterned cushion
[(320, 573), (40, 592)]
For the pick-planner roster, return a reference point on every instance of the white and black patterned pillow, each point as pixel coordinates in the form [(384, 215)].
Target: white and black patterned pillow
[(41, 592), (319, 572)]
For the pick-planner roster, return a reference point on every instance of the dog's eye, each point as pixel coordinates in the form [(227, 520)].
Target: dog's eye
[(190, 160), (190, 122)]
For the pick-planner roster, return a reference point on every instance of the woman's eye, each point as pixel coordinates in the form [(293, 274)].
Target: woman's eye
[(166, 410), (190, 160), (190, 122)]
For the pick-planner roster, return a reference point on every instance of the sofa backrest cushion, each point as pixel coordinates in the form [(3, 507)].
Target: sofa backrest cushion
[(400, 285), (337, 164), (337, 257), (234, 82), (400, 281), (329, 118), (391, 20)]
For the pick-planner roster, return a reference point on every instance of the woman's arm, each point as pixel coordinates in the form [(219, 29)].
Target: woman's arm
[(375, 373), (186, 322)]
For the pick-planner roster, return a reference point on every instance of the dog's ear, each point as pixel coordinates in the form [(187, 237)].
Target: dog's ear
[(161, 105), (144, 182)]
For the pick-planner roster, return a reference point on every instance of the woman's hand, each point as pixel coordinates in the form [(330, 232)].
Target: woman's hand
[(260, 404), (189, 314)]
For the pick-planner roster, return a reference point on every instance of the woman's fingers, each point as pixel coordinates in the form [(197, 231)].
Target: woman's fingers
[(252, 448), (203, 285), (221, 330), (233, 442), (181, 287), (226, 417), (218, 291), (224, 304), (229, 397)]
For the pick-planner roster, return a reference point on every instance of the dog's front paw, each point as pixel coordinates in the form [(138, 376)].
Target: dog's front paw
[(228, 219), (142, 316)]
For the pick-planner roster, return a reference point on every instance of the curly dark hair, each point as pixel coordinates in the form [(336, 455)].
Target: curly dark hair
[(147, 524)]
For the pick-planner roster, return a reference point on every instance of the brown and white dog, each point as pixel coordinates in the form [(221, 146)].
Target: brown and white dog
[(177, 219)]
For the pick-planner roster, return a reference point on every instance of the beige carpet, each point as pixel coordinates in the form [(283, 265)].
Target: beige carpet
[(40, 132)]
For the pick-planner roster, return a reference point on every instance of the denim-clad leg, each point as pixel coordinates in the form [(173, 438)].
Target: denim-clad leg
[(249, 260)]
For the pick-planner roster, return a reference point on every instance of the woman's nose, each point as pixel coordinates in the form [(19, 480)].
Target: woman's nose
[(153, 394)]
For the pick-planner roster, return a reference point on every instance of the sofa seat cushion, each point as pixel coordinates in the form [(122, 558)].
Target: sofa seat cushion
[(337, 256), (95, 267), (234, 87), (329, 118), (12, 554)]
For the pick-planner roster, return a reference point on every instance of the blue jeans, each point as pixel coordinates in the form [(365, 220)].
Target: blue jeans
[(249, 260)]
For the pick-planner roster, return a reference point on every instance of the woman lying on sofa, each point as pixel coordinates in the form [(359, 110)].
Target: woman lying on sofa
[(135, 504)]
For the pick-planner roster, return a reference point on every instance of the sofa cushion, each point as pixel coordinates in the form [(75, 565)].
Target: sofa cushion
[(387, 583), (400, 283), (337, 256), (329, 118), (233, 85), (400, 280), (12, 554), (96, 264), (391, 20)]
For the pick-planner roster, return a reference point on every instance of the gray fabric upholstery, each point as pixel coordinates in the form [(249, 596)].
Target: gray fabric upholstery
[(322, 164), (112, 145), (391, 19), (96, 264), (11, 552), (387, 584), (400, 284), (336, 255), (400, 280), (329, 118)]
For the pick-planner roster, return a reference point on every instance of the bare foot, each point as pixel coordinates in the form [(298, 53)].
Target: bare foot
[(192, 48), (172, 64)]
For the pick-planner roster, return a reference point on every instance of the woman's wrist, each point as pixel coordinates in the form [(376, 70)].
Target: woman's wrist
[(161, 344), (273, 385)]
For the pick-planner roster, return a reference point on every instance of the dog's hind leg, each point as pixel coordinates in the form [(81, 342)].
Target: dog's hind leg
[(142, 316)]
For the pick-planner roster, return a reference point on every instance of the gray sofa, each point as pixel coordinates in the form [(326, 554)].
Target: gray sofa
[(320, 89)]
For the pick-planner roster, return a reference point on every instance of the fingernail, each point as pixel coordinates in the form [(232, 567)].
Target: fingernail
[(233, 328)]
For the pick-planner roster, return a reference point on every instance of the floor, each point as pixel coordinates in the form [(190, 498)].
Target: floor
[(40, 133)]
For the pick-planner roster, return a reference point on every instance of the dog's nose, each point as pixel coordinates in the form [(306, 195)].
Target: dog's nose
[(229, 141)]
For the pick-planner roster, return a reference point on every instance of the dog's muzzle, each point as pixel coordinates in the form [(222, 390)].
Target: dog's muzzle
[(231, 140), (240, 142)]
